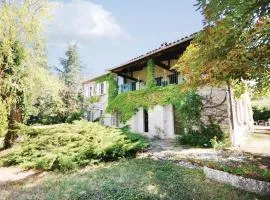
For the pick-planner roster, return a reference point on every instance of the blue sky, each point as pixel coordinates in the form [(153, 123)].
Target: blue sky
[(111, 32)]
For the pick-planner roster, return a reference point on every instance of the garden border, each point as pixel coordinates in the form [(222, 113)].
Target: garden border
[(251, 185)]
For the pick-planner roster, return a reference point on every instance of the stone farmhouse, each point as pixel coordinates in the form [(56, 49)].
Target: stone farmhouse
[(234, 115)]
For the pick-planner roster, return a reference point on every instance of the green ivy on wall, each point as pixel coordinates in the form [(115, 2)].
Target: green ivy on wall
[(150, 79), (113, 85), (188, 104), (93, 99)]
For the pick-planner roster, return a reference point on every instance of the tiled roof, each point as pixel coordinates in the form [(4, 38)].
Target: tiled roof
[(95, 78), (162, 47)]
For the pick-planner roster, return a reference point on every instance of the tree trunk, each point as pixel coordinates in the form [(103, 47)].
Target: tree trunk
[(11, 135)]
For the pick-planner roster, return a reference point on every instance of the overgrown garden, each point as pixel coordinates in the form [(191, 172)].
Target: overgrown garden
[(66, 147)]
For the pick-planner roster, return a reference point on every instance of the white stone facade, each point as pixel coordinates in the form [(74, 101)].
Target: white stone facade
[(160, 122), (233, 115), (97, 111)]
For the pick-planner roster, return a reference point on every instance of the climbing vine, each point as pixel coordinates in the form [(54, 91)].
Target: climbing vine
[(239, 88), (113, 85), (150, 79), (188, 104)]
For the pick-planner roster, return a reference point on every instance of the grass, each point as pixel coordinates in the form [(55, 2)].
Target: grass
[(132, 179), (66, 147)]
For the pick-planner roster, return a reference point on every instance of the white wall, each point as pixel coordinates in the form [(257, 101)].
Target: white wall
[(96, 108), (160, 122)]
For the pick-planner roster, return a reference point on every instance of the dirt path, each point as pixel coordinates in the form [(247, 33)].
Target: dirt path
[(14, 178), (15, 174)]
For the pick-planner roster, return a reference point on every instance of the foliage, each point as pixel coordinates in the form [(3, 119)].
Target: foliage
[(94, 99), (133, 137), (234, 44), (188, 104), (77, 115), (44, 103), (68, 146), (188, 107), (150, 79), (113, 85), (220, 145), (239, 88), (70, 73), (132, 179), (261, 113), (3, 118), (203, 136), (21, 51)]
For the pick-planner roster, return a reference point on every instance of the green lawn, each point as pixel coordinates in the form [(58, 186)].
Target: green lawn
[(133, 179)]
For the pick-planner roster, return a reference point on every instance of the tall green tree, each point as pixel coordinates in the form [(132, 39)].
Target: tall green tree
[(21, 53), (71, 75), (233, 46)]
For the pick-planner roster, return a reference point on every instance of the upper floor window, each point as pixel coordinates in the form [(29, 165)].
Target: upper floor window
[(173, 78), (102, 88), (90, 91)]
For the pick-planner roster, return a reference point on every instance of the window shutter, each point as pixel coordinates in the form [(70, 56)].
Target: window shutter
[(98, 89), (105, 87)]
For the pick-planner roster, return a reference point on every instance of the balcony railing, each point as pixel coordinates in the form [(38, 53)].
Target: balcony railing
[(160, 81)]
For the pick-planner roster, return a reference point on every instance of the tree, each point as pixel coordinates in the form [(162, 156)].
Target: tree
[(233, 46), (3, 118), (70, 74), (21, 54), (44, 104)]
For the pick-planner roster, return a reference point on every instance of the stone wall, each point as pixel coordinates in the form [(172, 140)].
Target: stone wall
[(215, 106)]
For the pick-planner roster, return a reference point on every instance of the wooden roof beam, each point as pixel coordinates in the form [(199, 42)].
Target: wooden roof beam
[(128, 77), (162, 65)]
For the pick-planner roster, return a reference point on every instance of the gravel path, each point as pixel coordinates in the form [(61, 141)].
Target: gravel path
[(168, 150)]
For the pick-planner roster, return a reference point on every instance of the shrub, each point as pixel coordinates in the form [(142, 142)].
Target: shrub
[(77, 115), (220, 145), (68, 146), (261, 113), (203, 136), (56, 118)]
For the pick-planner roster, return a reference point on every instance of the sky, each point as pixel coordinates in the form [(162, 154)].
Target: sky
[(111, 32)]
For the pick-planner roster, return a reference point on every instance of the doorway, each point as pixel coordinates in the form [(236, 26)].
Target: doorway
[(145, 115)]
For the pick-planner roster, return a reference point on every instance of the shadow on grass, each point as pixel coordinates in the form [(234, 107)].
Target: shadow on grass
[(133, 179)]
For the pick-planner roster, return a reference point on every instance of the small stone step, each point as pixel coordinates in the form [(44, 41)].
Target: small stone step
[(262, 128), (262, 131)]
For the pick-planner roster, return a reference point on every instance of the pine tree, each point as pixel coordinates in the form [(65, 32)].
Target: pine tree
[(70, 73)]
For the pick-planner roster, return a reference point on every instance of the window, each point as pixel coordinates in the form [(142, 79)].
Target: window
[(102, 88), (90, 91), (158, 81), (173, 78)]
